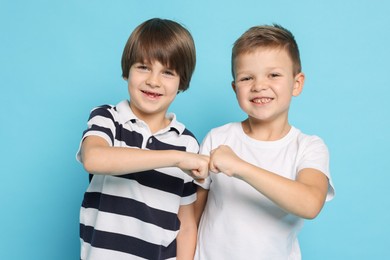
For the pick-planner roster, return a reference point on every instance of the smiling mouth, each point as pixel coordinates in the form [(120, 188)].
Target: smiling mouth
[(263, 100), (151, 94)]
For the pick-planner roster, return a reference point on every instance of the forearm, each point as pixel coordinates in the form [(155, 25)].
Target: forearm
[(119, 160), (186, 243), (186, 239), (200, 203), (303, 197)]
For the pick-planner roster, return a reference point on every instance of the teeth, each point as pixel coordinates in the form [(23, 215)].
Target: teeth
[(261, 100), (152, 94)]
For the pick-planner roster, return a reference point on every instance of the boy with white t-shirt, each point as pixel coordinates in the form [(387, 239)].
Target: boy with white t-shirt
[(266, 175)]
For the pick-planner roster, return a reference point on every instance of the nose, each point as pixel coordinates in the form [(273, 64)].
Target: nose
[(153, 80), (259, 85)]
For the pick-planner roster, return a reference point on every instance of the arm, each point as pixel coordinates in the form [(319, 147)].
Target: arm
[(100, 158), (200, 203), (186, 239), (303, 197)]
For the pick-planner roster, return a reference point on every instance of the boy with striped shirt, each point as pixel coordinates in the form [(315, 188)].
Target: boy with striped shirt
[(142, 161)]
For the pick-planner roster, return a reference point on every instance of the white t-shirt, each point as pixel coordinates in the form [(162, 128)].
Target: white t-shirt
[(239, 222)]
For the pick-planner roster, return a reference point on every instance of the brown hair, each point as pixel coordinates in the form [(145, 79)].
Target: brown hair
[(164, 41), (268, 36)]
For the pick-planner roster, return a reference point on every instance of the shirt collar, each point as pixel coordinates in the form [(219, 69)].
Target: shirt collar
[(126, 115)]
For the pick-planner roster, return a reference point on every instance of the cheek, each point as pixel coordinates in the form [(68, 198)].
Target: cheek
[(131, 86), (241, 94), (241, 99), (173, 87)]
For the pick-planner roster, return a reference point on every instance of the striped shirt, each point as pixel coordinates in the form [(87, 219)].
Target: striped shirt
[(134, 216)]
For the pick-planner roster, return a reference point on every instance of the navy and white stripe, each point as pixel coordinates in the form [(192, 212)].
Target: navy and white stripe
[(134, 216)]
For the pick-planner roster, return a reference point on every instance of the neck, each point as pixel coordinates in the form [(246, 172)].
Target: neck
[(265, 131)]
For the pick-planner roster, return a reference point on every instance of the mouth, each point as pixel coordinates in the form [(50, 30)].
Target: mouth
[(151, 94), (262, 100)]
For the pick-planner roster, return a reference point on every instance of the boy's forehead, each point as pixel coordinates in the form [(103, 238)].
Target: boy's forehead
[(265, 54), (263, 58)]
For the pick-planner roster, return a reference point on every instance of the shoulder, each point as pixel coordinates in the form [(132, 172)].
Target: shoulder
[(180, 128), (225, 129), (192, 144), (308, 140), (120, 112), (182, 136), (187, 132), (102, 110), (225, 134), (312, 152)]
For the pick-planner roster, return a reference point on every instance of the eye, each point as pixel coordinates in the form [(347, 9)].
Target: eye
[(274, 75), (245, 79), (169, 73), (142, 67)]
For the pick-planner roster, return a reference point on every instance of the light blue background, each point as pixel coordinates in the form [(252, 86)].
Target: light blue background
[(59, 59)]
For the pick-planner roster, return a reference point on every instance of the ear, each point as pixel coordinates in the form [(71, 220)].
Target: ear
[(234, 86), (298, 84)]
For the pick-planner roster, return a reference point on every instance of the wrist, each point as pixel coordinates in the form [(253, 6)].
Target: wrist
[(175, 156), (242, 170)]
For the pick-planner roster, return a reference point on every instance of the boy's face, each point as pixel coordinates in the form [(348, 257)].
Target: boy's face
[(264, 84), (152, 88)]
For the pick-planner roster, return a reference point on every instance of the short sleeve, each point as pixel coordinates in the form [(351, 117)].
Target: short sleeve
[(189, 193), (101, 123), (316, 155)]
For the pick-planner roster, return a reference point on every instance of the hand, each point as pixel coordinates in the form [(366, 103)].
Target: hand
[(223, 159), (195, 165)]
